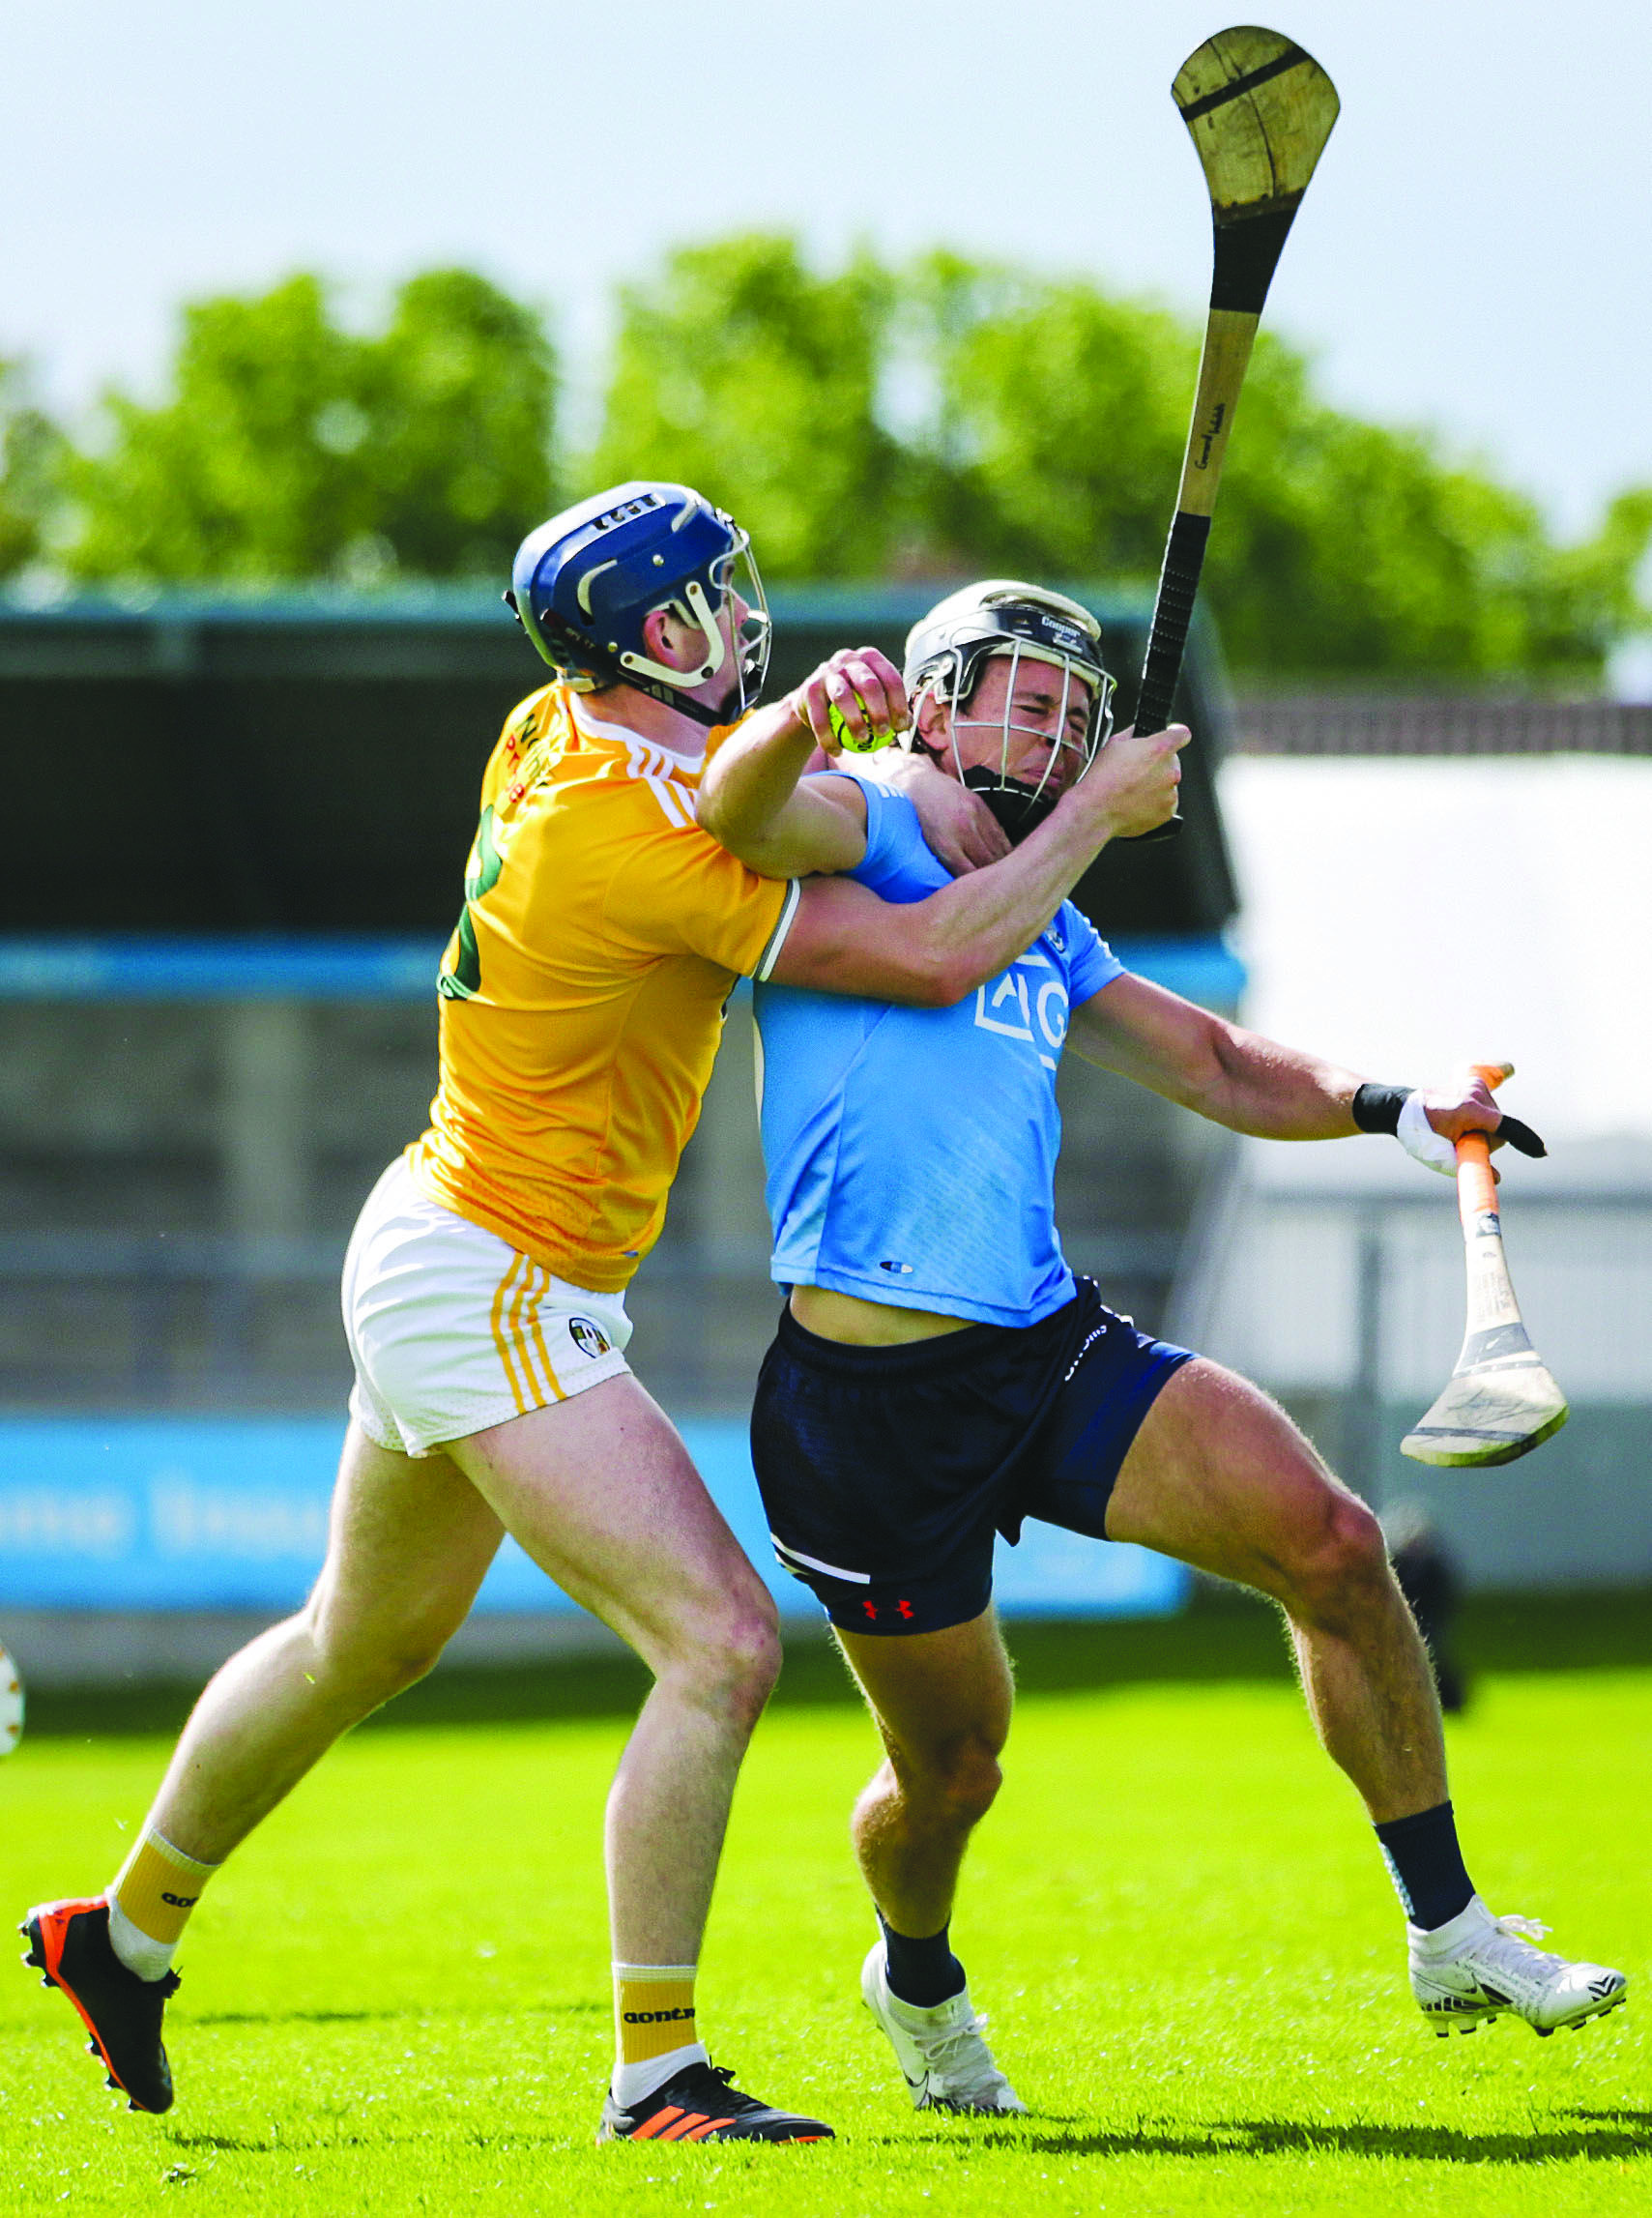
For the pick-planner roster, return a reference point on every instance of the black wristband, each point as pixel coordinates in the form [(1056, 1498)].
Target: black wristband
[(1377, 1108)]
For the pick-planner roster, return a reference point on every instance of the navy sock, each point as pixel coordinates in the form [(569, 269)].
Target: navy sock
[(923, 1972), (1426, 1865)]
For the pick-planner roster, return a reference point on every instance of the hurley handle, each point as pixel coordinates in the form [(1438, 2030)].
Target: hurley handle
[(1172, 618), (1476, 1184)]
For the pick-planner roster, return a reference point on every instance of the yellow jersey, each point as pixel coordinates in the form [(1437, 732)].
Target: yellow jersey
[(583, 989)]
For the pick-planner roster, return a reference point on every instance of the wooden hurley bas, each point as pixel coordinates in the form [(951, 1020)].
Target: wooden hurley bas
[(1258, 109), (1501, 1400)]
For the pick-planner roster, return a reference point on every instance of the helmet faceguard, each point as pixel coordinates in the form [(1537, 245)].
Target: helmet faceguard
[(948, 650), (584, 585)]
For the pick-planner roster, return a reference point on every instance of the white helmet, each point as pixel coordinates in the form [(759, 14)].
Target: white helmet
[(947, 649)]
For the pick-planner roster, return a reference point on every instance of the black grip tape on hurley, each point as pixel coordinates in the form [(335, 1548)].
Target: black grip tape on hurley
[(1520, 1137), (1173, 617), (1247, 254)]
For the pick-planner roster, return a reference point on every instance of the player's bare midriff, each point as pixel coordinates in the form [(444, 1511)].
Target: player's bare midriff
[(832, 1316)]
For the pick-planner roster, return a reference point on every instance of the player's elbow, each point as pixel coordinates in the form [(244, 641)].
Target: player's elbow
[(938, 977), (953, 975), (912, 967), (945, 968), (715, 814), (1209, 1074), (840, 943), (710, 814)]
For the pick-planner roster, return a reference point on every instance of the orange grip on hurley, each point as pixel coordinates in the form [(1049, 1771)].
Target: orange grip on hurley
[(1476, 1187)]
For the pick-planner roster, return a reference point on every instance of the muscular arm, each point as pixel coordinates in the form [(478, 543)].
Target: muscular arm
[(754, 797), (1235, 1077), (933, 953), (755, 802)]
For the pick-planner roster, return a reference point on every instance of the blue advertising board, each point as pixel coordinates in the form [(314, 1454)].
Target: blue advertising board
[(197, 1514), (362, 966)]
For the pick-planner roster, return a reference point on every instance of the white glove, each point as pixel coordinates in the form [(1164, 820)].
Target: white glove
[(1419, 1139)]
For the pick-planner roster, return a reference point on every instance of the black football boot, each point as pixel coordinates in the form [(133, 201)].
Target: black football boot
[(69, 1946), (702, 2103)]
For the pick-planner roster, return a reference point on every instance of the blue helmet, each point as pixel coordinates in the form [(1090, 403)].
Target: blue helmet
[(583, 583)]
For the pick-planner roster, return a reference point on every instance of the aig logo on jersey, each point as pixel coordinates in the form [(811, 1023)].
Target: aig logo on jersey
[(588, 1338), (1013, 1005)]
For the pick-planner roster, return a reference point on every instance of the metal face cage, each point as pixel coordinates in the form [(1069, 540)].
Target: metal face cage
[(946, 650), (966, 675)]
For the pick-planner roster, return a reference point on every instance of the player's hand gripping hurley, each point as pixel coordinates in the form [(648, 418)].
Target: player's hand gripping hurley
[(1501, 1399), (1260, 110)]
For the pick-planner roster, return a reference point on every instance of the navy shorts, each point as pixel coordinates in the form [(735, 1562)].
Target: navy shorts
[(886, 1472)]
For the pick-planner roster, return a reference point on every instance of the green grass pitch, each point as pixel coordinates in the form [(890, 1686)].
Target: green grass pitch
[(395, 1999)]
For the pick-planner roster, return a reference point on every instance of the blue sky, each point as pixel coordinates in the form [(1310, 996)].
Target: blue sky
[(1476, 252)]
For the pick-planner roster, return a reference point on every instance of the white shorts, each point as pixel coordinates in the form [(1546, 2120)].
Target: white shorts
[(451, 1330)]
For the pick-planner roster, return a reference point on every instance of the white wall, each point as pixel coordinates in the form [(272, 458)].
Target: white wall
[(1404, 918), (1409, 916), (1280, 1297)]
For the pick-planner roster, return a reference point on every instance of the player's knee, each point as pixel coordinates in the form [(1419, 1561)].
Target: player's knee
[(734, 1659), (410, 1660), (754, 1655), (1343, 1566), (365, 1665), (960, 1779), (972, 1787)]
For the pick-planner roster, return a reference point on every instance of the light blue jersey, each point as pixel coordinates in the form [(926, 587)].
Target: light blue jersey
[(912, 1153)]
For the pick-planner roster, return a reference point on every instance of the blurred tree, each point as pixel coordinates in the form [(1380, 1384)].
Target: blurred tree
[(741, 374), (1340, 546), (1600, 579), (952, 418), (31, 457), (1058, 421), (292, 448), (460, 397), (249, 471)]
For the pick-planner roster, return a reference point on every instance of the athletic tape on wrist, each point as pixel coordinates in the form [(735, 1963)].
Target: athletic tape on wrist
[(1377, 1108), (1421, 1142)]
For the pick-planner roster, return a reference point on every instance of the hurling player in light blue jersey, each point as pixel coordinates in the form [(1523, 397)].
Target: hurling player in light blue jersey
[(938, 1375), (973, 1228)]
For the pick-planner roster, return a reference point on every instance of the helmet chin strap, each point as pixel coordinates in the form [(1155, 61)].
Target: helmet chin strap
[(1017, 809)]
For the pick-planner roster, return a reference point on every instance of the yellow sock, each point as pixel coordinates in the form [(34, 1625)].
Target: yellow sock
[(653, 2009), (157, 1889), (654, 2017)]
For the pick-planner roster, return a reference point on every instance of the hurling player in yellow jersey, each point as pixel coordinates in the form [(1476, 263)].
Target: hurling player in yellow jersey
[(483, 1290)]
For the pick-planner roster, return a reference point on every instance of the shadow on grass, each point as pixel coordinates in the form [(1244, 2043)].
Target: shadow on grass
[(308, 2141), (228, 2143), (302, 2017), (1222, 1637), (412, 2014), (1629, 2134)]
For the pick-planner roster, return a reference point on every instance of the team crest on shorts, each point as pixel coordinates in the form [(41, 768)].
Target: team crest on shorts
[(586, 1339)]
